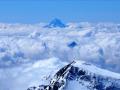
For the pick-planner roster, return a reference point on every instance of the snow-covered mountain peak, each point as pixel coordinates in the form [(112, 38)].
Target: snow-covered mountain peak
[(82, 75), (56, 23)]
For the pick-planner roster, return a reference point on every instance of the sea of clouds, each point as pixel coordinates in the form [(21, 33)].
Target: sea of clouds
[(23, 45)]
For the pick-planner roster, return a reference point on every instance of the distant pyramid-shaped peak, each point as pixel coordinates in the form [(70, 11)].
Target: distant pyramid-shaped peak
[(56, 23)]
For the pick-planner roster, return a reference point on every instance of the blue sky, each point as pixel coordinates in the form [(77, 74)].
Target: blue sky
[(34, 11)]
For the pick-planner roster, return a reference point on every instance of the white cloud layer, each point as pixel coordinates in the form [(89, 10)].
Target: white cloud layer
[(23, 45)]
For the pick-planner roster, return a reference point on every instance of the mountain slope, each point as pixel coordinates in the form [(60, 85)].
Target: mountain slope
[(83, 76), (56, 23)]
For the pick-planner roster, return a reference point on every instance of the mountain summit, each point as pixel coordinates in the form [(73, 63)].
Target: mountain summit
[(56, 23), (82, 76)]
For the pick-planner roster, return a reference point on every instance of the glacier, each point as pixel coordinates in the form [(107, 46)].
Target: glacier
[(29, 52)]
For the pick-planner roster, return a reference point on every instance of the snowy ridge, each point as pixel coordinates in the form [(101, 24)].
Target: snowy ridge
[(87, 77), (93, 69)]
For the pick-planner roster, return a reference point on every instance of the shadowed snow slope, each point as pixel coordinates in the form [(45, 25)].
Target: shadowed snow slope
[(83, 76)]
